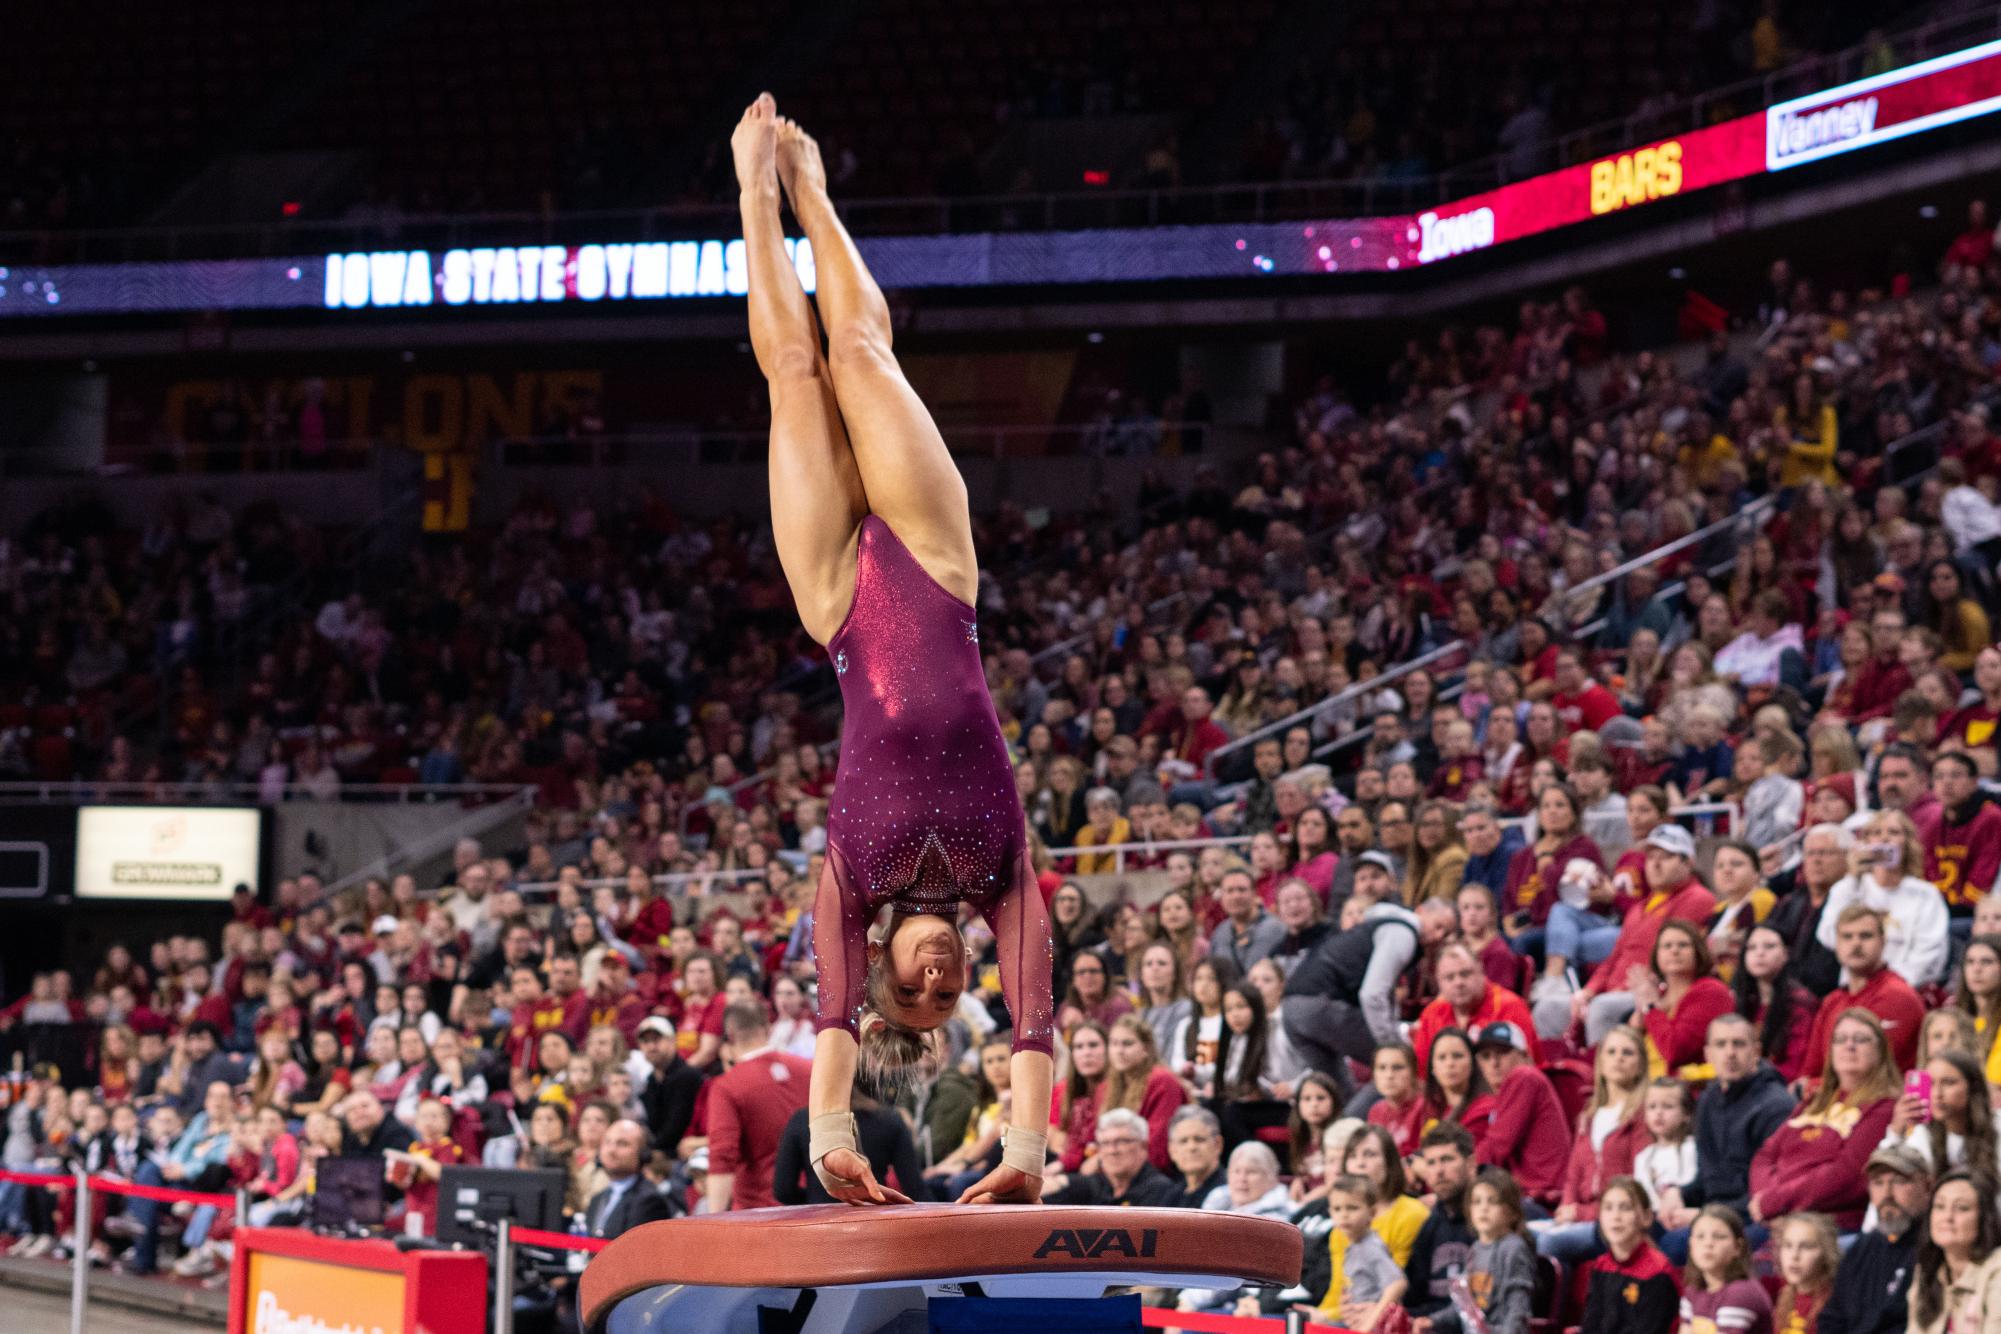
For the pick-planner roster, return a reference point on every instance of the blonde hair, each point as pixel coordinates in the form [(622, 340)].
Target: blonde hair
[(894, 1058), (1913, 863), (1601, 1088)]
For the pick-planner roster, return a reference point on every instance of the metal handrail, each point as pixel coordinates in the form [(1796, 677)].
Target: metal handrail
[(1149, 848), (667, 883), (1753, 514), (1353, 692), (1247, 202)]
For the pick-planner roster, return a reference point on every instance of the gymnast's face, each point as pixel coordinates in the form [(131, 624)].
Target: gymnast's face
[(926, 960)]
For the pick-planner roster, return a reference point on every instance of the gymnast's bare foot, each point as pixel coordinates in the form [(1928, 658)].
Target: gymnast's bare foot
[(754, 145), (799, 165)]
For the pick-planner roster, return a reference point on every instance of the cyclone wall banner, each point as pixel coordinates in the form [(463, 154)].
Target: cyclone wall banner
[(1834, 121)]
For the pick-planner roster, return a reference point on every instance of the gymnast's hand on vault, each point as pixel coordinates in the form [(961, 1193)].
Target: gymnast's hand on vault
[(860, 1185), (1004, 1185)]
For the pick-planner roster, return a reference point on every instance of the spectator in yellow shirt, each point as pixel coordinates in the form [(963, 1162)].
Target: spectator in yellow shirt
[(1103, 827), (1812, 434)]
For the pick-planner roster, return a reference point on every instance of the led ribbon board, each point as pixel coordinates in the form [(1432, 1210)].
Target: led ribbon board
[(1854, 116)]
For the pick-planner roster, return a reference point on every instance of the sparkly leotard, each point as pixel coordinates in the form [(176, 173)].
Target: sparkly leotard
[(924, 814)]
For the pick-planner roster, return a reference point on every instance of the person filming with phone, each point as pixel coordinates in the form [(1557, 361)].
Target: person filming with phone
[(1886, 872)]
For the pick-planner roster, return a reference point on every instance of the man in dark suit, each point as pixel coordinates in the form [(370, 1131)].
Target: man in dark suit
[(630, 1199)]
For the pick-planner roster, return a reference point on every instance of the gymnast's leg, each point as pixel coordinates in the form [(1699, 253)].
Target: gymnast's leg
[(817, 501), (909, 476)]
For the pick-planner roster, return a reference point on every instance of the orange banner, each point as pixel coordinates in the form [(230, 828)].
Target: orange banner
[(293, 1296)]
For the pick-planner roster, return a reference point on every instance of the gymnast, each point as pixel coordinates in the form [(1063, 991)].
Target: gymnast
[(874, 534)]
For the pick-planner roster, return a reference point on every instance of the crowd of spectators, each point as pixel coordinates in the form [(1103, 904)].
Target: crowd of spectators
[(1413, 91), (1608, 942)]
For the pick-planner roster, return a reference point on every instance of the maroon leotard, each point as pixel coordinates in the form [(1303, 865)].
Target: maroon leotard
[(924, 814)]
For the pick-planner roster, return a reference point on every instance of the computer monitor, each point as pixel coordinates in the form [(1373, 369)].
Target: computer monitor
[(348, 1192), (471, 1200)]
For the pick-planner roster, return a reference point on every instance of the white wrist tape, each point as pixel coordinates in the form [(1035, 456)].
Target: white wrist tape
[(826, 1133), (1024, 1150)]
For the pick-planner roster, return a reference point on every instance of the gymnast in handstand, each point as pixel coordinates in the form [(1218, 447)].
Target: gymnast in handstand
[(873, 531)]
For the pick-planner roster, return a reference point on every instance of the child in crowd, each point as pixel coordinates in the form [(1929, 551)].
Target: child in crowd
[(1499, 1284), (1315, 1106), (1372, 1285), (434, 1150), (1400, 1109), (1668, 1163), (1631, 1289), (1809, 1252), (1718, 1292)]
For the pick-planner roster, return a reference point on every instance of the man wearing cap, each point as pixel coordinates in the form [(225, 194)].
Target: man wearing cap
[(1871, 1286), (613, 1001), (1467, 1000), (668, 1095), (1341, 999), (382, 960), (1672, 891), (1247, 933), (1528, 1137)]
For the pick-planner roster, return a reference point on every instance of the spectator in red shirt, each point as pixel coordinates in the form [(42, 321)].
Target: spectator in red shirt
[(1527, 1136), (1582, 703), (700, 1033), (1538, 664), (614, 1002), (748, 1109), (1466, 1000), (1964, 855), (1195, 735), (1972, 248), (566, 988), (1676, 996), (1883, 677), (1859, 940), (1671, 891), (535, 1013), (1815, 1162)]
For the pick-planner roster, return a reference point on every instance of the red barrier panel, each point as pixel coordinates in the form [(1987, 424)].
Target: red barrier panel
[(287, 1279), (563, 1241)]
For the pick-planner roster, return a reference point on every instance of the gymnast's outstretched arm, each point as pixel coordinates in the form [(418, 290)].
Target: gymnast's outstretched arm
[(1022, 940)]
